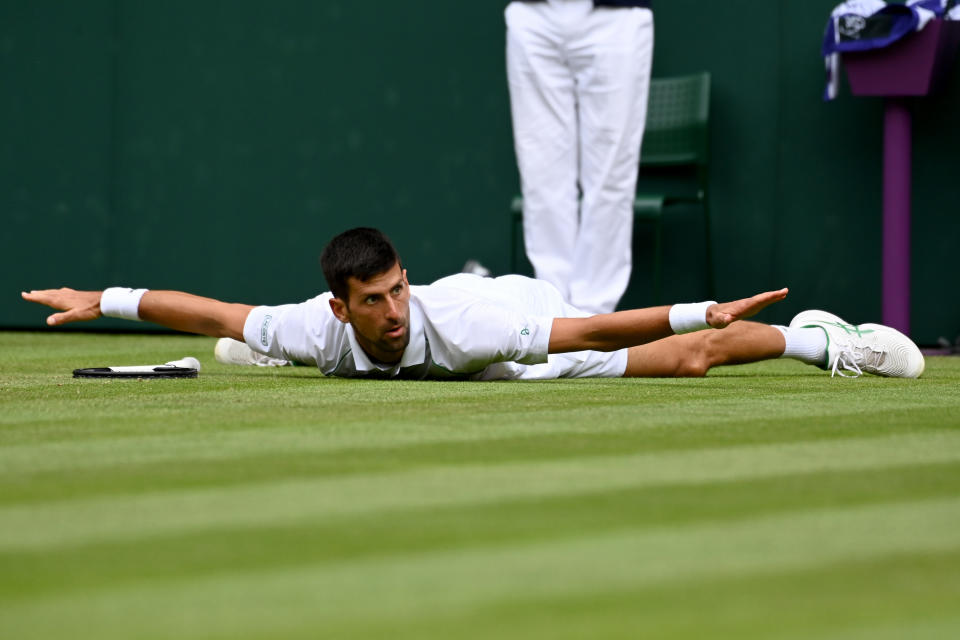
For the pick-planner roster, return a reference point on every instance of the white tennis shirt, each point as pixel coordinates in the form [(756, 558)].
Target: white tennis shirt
[(461, 327)]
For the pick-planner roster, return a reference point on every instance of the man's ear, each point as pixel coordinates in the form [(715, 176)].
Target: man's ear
[(339, 309)]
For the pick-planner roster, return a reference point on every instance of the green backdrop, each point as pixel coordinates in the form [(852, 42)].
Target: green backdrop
[(215, 147)]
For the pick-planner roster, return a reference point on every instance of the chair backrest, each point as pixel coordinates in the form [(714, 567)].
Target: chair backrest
[(678, 118)]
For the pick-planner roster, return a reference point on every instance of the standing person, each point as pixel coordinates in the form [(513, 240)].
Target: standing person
[(373, 324), (579, 75)]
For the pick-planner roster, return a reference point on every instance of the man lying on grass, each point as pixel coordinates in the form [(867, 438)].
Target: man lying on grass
[(375, 324)]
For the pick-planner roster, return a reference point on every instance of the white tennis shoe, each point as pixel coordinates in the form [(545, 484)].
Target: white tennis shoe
[(871, 348), (230, 351)]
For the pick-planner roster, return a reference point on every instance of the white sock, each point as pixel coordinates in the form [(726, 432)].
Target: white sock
[(806, 345)]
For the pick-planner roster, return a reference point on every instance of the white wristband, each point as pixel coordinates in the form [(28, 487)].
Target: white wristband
[(685, 318), (121, 302)]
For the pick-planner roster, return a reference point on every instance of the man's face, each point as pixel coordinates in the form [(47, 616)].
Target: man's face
[(379, 311)]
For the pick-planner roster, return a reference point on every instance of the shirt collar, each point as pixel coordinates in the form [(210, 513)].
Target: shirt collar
[(416, 350)]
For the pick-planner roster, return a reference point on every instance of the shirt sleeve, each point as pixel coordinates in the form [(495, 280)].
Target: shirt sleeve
[(307, 333)]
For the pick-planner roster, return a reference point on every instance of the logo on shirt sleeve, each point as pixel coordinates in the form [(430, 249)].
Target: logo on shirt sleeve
[(263, 330), (525, 331)]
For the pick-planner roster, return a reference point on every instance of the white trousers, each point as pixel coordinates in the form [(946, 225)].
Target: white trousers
[(579, 78)]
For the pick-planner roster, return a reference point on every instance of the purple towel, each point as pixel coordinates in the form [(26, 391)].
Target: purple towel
[(860, 25)]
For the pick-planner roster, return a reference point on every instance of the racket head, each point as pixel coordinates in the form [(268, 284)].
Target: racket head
[(136, 372)]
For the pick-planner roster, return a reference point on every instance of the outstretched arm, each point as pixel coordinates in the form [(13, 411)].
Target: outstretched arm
[(612, 331), (172, 309)]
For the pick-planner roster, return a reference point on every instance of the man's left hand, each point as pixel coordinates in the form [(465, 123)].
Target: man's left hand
[(722, 314)]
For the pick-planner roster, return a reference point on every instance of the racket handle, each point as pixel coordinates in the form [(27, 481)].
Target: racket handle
[(187, 363)]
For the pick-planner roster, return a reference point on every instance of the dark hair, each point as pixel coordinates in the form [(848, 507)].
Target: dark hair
[(360, 253)]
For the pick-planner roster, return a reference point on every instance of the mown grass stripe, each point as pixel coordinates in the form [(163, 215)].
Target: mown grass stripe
[(942, 627), (416, 586), (90, 451), (318, 540), (218, 459), (900, 592), (243, 399), (119, 517)]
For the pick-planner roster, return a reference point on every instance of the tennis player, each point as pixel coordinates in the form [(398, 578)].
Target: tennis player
[(374, 324)]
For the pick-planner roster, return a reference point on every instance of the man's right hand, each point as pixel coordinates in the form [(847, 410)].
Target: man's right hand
[(74, 305)]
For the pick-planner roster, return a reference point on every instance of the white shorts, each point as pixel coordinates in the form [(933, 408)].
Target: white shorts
[(579, 364)]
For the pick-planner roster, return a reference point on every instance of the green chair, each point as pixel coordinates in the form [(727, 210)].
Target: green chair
[(674, 164)]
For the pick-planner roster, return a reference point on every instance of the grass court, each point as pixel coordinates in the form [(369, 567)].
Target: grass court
[(765, 501)]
